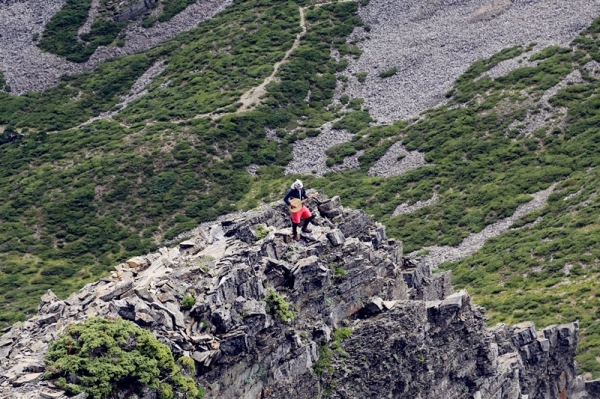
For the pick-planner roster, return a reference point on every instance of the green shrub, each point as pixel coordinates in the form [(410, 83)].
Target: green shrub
[(149, 22), (261, 232), (188, 364), (277, 305), (354, 121), (85, 357), (343, 64), (188, 302), (337, 153), (346, 49), (324, 362), (340, 334), (362, 76), (356, 104), (328, 350), (390, 72)]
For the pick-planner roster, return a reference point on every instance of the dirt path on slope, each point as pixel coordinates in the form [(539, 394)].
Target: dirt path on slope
[(251, 98)]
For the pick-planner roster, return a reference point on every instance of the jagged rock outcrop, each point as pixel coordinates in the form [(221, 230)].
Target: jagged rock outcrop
[(410, 336)]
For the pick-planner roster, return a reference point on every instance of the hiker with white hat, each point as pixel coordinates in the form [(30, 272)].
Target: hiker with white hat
[(295, 199)]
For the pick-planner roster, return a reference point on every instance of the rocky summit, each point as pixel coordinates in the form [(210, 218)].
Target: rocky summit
[(367, 322)]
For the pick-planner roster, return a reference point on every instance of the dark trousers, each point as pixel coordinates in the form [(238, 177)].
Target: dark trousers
[(304, 225)]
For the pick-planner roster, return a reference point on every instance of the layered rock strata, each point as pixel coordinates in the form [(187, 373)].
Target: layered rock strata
[(409, 335)]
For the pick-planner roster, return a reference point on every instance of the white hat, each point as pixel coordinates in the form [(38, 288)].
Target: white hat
[(297, 185)]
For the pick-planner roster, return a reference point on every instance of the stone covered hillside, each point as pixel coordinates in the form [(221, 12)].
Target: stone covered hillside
[(365, 321)]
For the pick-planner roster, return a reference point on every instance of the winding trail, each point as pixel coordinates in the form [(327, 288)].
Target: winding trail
[(474, 242), (251, 98)]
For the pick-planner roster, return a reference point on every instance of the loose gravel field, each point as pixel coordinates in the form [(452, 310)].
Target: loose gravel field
[(432, 42)]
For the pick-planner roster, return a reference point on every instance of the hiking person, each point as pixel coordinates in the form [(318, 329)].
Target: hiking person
[(295, 199)]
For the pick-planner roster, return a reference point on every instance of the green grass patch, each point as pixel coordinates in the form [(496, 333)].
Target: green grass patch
[(329, 351), (361, 76), (277, 305), (390, 72)]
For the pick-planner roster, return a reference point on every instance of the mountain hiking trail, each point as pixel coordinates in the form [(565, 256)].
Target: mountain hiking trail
[(251, 98), (248, 101)]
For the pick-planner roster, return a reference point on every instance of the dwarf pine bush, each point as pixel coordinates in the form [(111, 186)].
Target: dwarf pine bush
[(103, 357), (277, 305), (261, 232), (188, 302)]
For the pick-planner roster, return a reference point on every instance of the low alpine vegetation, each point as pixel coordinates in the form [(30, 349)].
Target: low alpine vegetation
[(390, 72), (277, 306), (105, 358), (188, 302)]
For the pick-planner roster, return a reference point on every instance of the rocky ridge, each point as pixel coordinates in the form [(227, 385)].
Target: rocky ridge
[(410, 335)]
